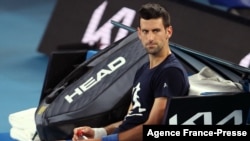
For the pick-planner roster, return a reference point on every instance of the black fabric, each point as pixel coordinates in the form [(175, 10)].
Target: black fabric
[(102, 91)]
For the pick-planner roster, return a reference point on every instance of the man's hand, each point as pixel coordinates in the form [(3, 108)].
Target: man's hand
[(83, 133)]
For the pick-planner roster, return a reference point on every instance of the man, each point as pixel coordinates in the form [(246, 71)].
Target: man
[(156, 81)]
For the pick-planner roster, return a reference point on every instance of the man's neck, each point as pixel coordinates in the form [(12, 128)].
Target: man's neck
[(155, 60)]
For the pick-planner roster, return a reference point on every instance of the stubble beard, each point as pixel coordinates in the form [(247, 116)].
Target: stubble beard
[(153, 51)]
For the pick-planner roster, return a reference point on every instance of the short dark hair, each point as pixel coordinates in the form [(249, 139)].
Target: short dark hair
[(154, 11)]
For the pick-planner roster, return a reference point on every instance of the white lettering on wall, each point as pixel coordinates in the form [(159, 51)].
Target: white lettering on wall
[(93, 34), (236, 115)]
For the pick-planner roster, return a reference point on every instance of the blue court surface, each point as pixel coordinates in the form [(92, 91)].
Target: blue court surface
[(22, 67)]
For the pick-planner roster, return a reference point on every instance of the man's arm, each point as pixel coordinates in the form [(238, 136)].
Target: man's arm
[(110, 128), (90, 133), (156, 117)]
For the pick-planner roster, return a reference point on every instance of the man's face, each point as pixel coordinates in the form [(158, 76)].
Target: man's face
[(153, 35)]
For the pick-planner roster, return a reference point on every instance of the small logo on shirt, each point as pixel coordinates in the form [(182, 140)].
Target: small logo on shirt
[(165, 85)]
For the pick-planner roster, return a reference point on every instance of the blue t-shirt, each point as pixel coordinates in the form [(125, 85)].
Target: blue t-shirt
[(168, 79)]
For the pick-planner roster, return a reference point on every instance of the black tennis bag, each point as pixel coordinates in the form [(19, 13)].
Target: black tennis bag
[(96, 93)]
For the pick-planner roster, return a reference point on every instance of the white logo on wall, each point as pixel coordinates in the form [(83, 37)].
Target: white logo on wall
[(236, 115), (102, 35)]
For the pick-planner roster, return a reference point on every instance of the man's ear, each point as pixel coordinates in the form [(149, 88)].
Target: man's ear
[(139, 32), (169, 31)]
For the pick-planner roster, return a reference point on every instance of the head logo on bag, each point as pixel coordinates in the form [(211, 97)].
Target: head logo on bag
[(96, 93), (112, 66)]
